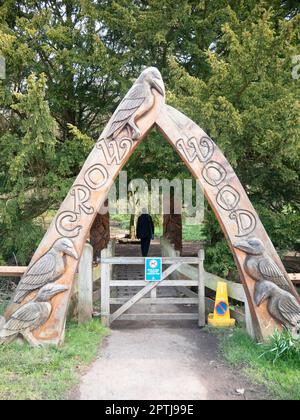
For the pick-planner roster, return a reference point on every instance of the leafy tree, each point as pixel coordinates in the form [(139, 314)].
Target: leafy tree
[(27, 160)]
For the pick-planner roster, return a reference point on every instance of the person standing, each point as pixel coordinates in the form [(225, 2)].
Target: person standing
[(145, 231)]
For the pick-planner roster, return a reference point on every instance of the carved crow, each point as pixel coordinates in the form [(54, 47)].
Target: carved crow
[(259, 265), (282, 305), (46, 270), (136, 103), (30, 316)]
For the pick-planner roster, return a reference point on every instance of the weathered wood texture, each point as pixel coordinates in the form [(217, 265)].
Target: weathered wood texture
[(105, 290), (201, 290), (228, 200), (85, 285), (164, 283), (100, 232), (158, 301), (172, 223), (141, 260), (12, 271), (295, 278)]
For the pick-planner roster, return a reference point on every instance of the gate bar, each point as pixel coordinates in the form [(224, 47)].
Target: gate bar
[(141, 261)]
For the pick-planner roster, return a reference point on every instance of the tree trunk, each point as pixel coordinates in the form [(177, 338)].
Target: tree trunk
[(132, 229), (100, 233), (173, 226)]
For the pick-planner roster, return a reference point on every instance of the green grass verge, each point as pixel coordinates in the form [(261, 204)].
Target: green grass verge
[(281, 379), (48, 373)]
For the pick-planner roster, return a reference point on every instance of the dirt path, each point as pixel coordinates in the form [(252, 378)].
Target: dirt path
[(162, 363), (156, 360)]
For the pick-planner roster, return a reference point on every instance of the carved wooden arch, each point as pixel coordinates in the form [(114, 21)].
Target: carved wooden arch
[(206, 162)]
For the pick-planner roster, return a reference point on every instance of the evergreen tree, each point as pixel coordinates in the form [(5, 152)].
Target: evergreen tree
[(227, 65)]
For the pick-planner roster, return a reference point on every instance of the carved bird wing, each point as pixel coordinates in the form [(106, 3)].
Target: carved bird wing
[(37, 276), (271, 272), (26, 317), (290, 309), (130, 104)]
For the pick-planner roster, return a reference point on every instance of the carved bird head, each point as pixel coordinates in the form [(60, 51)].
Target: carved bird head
[(252, 246), (153, 77), (263, 291), (49, 291), (66, 246)]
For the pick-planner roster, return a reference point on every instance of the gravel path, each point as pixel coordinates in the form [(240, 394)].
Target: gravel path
[(160, 363)]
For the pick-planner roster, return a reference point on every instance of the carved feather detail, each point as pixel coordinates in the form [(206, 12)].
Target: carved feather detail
[(270, 271), (30, 316), (131, 103), (47, 269), (41, 273), (139, 97), (290, 309)]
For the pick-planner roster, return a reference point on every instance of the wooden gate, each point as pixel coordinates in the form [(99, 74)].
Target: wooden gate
[(150, 289)]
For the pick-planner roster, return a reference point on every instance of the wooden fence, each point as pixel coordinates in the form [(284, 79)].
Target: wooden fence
[(107, 284), (235, 290)]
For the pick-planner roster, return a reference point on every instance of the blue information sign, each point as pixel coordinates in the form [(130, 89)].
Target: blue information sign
[(153, 269)]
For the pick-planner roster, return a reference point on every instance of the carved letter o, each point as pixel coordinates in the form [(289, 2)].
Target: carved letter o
[(228, 198), (96, 177)]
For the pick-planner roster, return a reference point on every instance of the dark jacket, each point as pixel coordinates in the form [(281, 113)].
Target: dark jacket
[(145, 227)]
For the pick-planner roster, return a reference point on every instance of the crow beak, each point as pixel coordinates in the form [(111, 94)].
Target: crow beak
[(72, 253), (259, 298), (242, 246), (59, 288), (158, 84)]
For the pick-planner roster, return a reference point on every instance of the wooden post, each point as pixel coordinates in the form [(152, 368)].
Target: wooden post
[(201, 289), (249, 323), (172, 223), (85, 285), (111, 253), (105, 289)]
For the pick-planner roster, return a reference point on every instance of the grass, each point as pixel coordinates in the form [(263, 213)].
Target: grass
[(281, 379), (192, 233), (48, 373)]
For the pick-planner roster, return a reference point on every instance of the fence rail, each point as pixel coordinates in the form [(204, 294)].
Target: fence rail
[(14, 271)]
